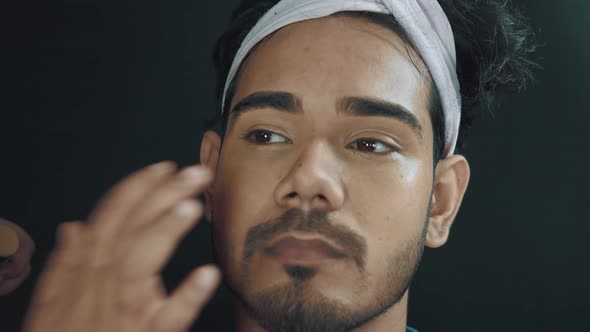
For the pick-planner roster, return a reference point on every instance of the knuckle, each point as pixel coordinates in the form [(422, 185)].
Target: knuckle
[(129, 308), (92, 239), (124, 188), (136, 300), (95, 256), (65, 231), (61, 259)]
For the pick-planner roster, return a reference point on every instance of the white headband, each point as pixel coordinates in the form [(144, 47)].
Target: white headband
[(424, 21)]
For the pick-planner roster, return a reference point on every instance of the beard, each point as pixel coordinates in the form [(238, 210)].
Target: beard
[(298, 306)]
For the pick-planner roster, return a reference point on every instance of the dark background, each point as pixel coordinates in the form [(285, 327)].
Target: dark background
[(92, 90)]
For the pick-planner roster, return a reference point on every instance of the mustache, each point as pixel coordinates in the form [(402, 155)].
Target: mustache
[(312, 222)]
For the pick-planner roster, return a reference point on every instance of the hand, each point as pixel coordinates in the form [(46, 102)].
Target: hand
[(105, 274), (17, 268)]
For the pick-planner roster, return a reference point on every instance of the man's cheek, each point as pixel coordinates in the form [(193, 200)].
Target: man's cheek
[(231, 222)]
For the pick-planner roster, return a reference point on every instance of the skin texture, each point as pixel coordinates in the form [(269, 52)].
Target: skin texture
[(372, 175)]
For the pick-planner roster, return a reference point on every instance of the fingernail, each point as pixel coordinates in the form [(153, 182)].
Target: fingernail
[(162, 166), (207, 276), (185, 208), (193, 172)]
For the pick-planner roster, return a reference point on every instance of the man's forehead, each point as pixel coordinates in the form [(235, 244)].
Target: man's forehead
[(332, 57)]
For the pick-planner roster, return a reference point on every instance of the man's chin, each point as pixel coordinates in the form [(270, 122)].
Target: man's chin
[(298, 305), (304, 299)]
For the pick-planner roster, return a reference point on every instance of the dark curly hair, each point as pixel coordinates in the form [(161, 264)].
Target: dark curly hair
[(494, 44)]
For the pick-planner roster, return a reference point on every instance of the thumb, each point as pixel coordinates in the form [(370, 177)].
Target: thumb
[(184, 305)]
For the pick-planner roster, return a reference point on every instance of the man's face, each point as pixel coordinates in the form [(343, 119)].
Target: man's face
[(325, 176)]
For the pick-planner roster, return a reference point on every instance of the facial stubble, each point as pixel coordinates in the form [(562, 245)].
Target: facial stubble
[(298, 306)]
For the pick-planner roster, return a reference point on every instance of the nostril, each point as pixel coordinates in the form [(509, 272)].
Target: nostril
[(291, 195)]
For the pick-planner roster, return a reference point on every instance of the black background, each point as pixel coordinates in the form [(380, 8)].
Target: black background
[(92, 90)]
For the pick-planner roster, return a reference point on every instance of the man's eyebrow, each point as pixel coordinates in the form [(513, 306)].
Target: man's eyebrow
[(276, 100), (366, 106)]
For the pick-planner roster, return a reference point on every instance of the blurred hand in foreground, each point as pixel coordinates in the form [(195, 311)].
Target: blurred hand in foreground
[(104, 274)]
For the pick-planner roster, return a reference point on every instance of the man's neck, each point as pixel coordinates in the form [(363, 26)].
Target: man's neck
[(392, 320)]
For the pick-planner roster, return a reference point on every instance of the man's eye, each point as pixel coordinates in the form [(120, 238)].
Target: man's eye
[(264, 137), (372, 146)]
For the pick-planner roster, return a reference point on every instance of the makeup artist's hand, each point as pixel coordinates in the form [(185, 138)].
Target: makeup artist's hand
[(17, 268), (105, 274)]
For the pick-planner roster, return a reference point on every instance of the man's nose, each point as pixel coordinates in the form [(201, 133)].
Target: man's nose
[(313, 182)]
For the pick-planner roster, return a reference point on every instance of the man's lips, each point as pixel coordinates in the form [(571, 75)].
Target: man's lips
[(297, 249)]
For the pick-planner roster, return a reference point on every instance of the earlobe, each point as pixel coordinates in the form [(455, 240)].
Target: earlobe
[(450, 183), (210, 149)]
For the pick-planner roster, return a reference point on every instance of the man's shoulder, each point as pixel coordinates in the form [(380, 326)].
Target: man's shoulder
[(410, 329)]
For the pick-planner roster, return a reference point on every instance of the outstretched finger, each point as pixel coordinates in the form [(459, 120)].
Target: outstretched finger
[(184, 305), (111, 212), (187, 183), (149, 250), (63, 260)]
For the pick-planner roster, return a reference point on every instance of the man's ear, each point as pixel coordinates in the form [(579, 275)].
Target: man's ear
[(210, 149), (450, 183)]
